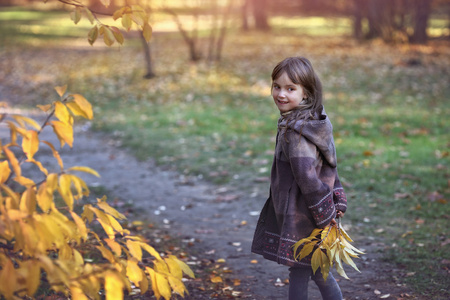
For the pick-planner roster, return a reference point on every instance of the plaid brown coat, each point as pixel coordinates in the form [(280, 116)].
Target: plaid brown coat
[(305, 190)]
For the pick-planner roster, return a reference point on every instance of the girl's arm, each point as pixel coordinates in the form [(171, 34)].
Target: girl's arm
[(303, 157)]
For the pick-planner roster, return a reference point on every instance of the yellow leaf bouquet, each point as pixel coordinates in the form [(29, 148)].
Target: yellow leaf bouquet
[(329, 246)]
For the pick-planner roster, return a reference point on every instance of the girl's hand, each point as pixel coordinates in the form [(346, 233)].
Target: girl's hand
[(339, 214)]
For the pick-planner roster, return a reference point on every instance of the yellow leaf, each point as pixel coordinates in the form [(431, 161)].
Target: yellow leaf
[(315, 260), (62, 113), (108, 209), (174, 267), (80, 186), (55, 154), (216, 279), (126, 22), (11, 202), (116, 225), (114, 246), (325, 265), (44, 108), (339, 267), (117, 34), (87, 214), (7, 279), (163, 286), (13, 133), (79, 260), (89, 15), (107, 228), (113, 286), (152, 275), (135, 249), (5, 171), (151, 250), (61, 90), (63, 222), (80, 225), (350, 246), (325, 232), (28, 201), (344, 233), (43, 198), (92, 37), (177, 285), (143, 284), (107, 254), (39, 165), (147, 32), (346, 258), (13, 161), (26, 182), (76, 15), (316, 232), (22, 120), (185, 268), (65, 190), (306, 250), (64, 132), (108, 36), (77, 293), (65, 253), (160, 266), (118, 13), (134, 273), (33, 276), (84, 105)]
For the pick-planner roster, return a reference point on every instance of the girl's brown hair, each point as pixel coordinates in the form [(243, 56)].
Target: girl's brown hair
[(300, 71)]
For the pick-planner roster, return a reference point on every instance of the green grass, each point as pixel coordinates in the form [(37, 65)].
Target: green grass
[(218, 121)]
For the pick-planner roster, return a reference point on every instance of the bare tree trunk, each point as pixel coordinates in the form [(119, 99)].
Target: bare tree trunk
[(244, 10), (190, 41), (375, 17), (213, 32), (260, 14), (358, 8), (422, 10), (223, 29), (148, 57)]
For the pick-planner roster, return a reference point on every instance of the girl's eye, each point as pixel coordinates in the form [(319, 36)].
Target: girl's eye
[(291, 89)]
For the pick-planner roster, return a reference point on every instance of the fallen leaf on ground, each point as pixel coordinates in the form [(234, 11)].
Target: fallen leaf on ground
[(216, 279)]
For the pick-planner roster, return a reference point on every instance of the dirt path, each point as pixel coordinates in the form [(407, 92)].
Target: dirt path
[(218, 218)]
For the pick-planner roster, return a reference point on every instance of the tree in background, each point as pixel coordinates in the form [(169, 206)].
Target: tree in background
[(200, 11), (255, 10), (392, 20)]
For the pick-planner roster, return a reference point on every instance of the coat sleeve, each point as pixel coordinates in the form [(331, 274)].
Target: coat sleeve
[(339, 197), (305, 162)]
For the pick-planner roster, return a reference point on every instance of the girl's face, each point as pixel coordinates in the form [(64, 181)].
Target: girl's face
[(286, 94)]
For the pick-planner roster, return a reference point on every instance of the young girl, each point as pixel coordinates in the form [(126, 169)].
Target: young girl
[(305, 191)]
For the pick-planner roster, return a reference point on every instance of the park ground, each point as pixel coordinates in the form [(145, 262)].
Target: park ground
[(186, 155)]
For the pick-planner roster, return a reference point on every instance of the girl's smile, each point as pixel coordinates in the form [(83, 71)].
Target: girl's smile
[(286, 94)]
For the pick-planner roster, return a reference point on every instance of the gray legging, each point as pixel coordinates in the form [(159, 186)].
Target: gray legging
[(298, 284)]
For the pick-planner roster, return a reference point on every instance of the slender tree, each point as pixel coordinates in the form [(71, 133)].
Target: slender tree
[(422, 9)]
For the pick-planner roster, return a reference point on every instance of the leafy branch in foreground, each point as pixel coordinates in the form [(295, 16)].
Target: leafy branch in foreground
[(330, 245), (130, 15), (42, 241)]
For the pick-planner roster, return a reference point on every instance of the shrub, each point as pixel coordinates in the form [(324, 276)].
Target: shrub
[(45, 244)]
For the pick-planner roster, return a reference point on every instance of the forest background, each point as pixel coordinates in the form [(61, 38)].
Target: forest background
[(197, 99)]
